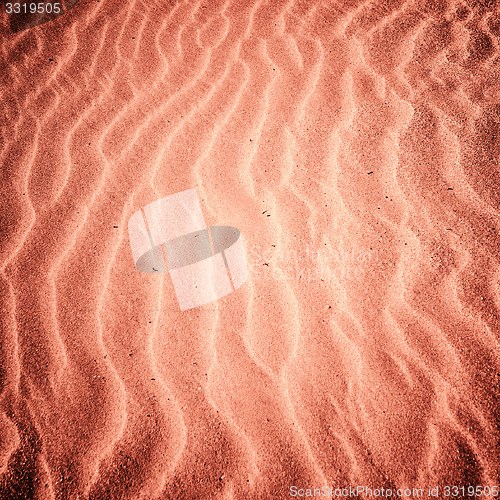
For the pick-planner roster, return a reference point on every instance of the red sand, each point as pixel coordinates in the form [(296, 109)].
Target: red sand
[(355, 146)]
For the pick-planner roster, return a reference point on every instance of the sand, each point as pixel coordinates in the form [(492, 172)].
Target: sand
[(355, 146)]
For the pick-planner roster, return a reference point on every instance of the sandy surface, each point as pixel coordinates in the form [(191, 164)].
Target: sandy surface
[(355, 146)]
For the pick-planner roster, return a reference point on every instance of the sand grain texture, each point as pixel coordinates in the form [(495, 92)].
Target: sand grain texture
[(355, 145)]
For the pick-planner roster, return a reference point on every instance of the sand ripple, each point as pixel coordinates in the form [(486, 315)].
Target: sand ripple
[(355, 146)]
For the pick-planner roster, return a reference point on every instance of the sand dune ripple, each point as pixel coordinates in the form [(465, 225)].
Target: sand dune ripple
[(354, 145)]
